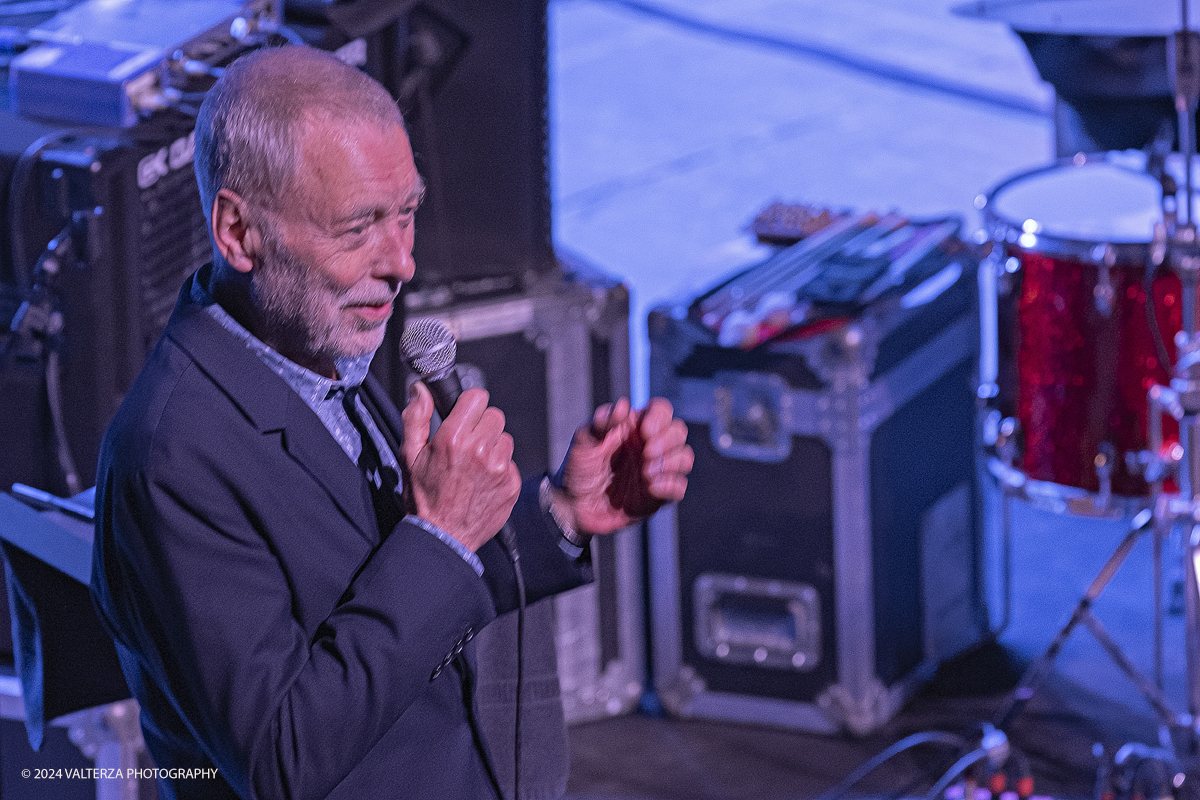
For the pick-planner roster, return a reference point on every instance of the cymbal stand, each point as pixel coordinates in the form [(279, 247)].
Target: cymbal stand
[(1175, 241)]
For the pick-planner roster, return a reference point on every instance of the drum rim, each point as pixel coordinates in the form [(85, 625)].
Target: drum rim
[(1002, 230), (1061, 498)]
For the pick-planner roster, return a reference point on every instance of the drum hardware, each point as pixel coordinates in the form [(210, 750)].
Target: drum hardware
[(1150, 690), (1088, 363), (1173, 242), (1161, 465), (1104, 286), (1103, 462), (1162, 460), (1015, 484), (999, 433), (990, 276)]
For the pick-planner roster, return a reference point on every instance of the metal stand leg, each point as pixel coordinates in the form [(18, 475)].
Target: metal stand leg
[(112, 737), (1158, 608), (1037, 672), (1152, 693), (1191, 610), (1006, 500)]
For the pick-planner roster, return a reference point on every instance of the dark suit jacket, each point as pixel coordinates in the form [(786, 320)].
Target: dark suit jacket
[(264, 624)]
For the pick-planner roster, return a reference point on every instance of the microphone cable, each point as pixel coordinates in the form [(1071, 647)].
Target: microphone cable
[(430, 350), (509, 539), (908, 742)]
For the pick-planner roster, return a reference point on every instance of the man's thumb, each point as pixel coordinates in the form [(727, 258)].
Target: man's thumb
[(417, 416)]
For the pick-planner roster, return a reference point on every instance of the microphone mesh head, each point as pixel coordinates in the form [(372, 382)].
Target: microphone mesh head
[(428, 347)]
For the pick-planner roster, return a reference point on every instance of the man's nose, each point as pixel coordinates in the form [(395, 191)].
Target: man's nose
[(395, 259)]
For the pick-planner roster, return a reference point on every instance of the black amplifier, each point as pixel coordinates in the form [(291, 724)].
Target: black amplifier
[(125, 211)]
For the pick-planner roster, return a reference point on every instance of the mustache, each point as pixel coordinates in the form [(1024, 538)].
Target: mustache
[(368, 297)]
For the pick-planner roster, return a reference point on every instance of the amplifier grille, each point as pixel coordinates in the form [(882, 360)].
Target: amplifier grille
[(173, 243)]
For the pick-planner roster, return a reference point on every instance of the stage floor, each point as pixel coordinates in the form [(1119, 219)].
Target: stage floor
[(1085, 701), (644, 758)]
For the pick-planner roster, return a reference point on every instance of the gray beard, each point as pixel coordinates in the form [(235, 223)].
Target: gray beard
[(288, 300)]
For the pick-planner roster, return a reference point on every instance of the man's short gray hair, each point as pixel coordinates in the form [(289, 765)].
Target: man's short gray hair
[(249, 127)]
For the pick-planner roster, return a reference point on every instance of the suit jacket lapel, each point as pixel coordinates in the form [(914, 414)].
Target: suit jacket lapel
[(308, 441), (273, 407)]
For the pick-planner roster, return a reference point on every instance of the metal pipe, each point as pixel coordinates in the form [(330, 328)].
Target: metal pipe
[(1186, 109)]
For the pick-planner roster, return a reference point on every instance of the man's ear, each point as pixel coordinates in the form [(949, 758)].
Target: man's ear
[(237, 237)]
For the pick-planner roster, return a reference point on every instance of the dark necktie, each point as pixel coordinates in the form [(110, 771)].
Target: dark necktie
[(381, 479)]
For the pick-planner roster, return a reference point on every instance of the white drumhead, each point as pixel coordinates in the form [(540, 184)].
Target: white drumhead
[(1094, 202)]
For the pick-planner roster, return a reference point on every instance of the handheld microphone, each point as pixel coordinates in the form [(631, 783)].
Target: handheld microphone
[(429, 348)]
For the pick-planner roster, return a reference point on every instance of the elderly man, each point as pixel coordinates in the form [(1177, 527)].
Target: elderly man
[(291, 568)]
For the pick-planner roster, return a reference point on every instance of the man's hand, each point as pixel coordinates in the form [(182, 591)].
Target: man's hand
[(624, 466), (463, 479)]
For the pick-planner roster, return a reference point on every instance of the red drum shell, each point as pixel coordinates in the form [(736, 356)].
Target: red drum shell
[(1083, 366)]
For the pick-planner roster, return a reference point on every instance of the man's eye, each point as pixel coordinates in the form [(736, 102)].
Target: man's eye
[(358, 230)]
